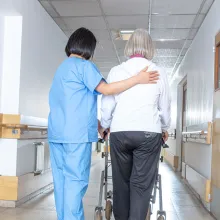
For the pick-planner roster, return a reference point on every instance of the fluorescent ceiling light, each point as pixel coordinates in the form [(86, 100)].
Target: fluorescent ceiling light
[(171, 39), (126, 34), (126, 31)]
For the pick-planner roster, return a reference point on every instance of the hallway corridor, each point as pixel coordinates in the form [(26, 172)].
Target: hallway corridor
[(179, 202)]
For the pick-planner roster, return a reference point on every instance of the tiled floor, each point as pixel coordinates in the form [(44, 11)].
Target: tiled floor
[(179, 202)]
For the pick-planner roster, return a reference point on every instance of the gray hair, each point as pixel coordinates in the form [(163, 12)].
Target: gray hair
[(141, 43)]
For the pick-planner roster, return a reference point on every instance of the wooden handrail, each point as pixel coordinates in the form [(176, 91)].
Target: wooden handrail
[(24, 127), (19, 131)]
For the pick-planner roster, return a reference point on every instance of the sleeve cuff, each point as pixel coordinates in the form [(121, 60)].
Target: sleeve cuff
[(105, 125), (96, 92)]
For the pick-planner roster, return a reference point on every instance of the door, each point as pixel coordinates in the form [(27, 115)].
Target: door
[(184, 112)]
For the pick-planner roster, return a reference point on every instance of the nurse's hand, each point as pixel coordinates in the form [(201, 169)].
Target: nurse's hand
[(145, 77)]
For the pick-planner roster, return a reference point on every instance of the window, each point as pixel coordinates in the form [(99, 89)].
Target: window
[(217, 61)]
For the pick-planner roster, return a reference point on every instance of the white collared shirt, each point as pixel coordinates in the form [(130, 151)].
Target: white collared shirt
[(141, 108)]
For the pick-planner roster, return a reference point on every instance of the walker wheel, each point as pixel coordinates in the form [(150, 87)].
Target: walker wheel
[(161, 217), (149, 213), (108, 210), (98, 215)]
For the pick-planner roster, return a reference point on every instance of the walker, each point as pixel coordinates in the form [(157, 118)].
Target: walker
[(108, 194)]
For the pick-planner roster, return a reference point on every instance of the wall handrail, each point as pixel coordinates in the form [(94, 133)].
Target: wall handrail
[(201, 133), (24, 127), (22, 131), (194, 132)]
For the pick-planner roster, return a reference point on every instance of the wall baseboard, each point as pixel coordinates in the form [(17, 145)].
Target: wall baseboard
[(200, 184), (14, 204), (15, 190), (171, 159), (32, 195), (8, 188)]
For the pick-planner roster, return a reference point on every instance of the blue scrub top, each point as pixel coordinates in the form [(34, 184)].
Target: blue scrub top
[(73, 102)]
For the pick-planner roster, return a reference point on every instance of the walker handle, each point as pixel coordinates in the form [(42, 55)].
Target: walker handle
[(102, 140)]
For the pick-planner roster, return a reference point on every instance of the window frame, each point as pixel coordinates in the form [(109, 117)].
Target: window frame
[(217, 48)]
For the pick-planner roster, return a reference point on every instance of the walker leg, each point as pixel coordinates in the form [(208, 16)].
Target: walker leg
[(161, 214), (99, 208)]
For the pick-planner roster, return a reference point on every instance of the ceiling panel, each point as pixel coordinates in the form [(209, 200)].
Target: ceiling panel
[(104, 52), (128, 22), (105, 69), (101, 34), (168, 52), (77, 8), (120, 44), (125, 7), (105, 44), (173, 21), (103, 58), (164, 59), (172, 33), (95, 23), (176, 6), (107, 64), (171, 44)]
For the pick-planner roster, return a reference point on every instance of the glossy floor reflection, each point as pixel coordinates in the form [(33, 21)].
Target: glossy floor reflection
[(179, 202)]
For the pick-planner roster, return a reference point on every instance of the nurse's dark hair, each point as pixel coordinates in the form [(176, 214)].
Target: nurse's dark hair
[(82, 42)]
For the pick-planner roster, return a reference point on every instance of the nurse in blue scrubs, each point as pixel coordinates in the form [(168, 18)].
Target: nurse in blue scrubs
[(73, 124)]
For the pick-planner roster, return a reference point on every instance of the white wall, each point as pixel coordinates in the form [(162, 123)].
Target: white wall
[(43, 46), (10, 26), (42, 50), (1, 50), (198, 65)]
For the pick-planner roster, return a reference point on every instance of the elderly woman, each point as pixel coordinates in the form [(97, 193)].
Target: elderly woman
[(136, 118)]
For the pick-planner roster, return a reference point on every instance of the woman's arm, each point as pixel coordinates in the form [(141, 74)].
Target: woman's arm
[(143, 77), (164, 105), (108, 105)]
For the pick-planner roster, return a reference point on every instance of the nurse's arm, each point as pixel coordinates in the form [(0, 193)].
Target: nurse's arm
[(143, 77)]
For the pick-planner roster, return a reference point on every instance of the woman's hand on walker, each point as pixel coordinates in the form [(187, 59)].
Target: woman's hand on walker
[(150, 77), (165, 136), (100, 129)]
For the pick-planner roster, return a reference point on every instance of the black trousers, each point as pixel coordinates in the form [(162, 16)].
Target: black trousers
[(134, 156)]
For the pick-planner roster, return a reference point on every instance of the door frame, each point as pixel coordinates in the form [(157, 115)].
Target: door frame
[(179, 123)]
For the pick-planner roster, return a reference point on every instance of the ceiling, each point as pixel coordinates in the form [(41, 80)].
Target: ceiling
[(173, 25)]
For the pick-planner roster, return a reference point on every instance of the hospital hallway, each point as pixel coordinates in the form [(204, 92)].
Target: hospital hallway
[(71, 69), (179, 202)]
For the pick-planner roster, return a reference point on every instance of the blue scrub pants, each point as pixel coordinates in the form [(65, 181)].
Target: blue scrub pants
[(70, 167)]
